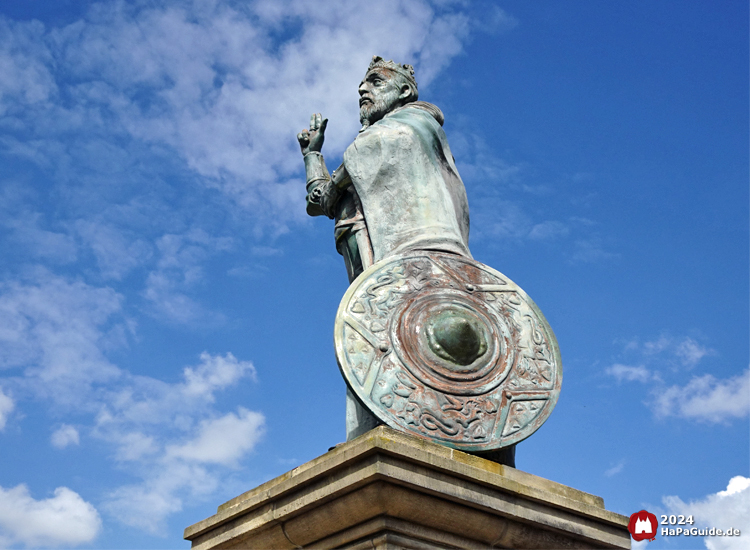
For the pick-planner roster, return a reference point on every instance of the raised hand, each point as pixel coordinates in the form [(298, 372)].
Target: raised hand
[(312, 139)]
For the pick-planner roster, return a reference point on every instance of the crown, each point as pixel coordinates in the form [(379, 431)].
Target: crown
[(407, 71)]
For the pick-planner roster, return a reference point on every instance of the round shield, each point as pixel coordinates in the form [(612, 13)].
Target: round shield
[(447, 348)]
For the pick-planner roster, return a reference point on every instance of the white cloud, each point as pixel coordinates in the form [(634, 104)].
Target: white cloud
[(58, 332), (146, 505), (184, 468), (64, 436), (6, 407), (142, 507), (705, 398), (215, 373), (62, 520), (724, 509), (737, 484), (629, 374), (140, 403), (222, 440), (657, 346), (266, 251), (171, 438)]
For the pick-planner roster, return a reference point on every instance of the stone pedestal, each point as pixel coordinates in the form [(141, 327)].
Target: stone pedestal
[(388, 490)]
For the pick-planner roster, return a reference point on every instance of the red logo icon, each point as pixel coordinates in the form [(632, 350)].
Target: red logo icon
[(642, 525)]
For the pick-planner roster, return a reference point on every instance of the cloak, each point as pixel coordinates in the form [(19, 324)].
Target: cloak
[(411, 194)]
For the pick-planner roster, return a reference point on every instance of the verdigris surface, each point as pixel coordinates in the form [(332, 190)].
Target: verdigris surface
[(429, 341), (447, 348)]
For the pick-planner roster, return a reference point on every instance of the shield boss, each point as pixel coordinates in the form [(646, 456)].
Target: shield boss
[(447, 348)]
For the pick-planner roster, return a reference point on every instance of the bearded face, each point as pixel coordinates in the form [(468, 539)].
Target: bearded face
[(379, 93)]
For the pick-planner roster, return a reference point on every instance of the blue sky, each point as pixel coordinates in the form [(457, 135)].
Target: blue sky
[(166, 307)]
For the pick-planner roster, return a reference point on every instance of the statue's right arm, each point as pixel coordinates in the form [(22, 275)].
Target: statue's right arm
[(318, 180), (322, 193)]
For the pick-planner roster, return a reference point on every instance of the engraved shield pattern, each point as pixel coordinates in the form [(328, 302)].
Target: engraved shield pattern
[(447, 348)]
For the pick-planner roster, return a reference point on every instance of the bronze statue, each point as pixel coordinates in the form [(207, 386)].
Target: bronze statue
[(398, 188), (429, 341)]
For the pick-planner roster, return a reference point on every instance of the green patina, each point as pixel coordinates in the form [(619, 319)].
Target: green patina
[(456, 337)]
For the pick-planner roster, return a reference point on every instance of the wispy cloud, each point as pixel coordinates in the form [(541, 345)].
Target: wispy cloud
[(212, 83), (27, 232), (179, 268), (27, 81), (678, 351), (628, 373), (6, 407), (616, 469), (496, 20), (591, 250), (56, 330), (549, 230), (506, 197), (691, 352), (116, 249)]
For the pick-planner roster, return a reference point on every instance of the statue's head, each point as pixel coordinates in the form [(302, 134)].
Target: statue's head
[(386, 86)]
